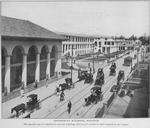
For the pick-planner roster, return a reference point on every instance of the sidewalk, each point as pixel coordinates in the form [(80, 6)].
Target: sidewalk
[(130, 107)]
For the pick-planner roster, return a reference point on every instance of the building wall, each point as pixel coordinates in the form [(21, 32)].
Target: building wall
[(17, 65), (77, 46)]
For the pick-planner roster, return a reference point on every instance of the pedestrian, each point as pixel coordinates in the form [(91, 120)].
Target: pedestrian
[(21, 93), (47, 80), (62, 96), (57, 88), (69, 107), (36, 84)]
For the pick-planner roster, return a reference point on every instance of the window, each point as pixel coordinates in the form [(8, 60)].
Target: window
[(112, 43)]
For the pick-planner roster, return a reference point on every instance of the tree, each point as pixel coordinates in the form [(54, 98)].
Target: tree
[(133, 38), (121, 37), (144, 40)]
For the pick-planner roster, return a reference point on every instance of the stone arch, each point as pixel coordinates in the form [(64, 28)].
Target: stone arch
[(43, 62), (31, 64), (53, 60), (16, 67)]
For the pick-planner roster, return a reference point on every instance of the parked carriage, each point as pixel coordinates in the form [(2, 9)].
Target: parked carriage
[(88, 78), (127, 61), (112, 71), (81, 74), (121, 75), (96, 95), (68, 85), (32, 103), (99, 81)]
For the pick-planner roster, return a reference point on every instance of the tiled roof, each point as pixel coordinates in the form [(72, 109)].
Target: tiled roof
[(22, 28)]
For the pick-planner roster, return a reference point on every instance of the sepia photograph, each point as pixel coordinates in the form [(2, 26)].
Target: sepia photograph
[(75, 60)]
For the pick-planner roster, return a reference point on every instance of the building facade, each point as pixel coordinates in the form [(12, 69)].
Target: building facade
[(77, 45), (29, 53)]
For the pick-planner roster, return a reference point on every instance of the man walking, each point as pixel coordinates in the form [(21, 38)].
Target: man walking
[(69, 107), (57, 88), (21, 93)]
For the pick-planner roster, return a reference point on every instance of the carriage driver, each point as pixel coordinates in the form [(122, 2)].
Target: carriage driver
[(88, 68), (113, 66)]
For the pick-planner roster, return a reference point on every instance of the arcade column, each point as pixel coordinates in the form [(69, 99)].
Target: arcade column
[(48, 65), (37, 71), (24, 70), (58, 64), (7, 73)]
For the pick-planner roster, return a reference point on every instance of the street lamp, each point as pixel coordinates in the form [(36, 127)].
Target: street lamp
[(93, 59), (109, 51), (131, 64), (73, 47), (116, 49)]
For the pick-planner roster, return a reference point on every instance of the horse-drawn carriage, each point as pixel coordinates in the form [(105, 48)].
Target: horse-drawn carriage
[(68, 85), (31, 104), (96, 95), (127, 61), (81, 74), (88, 78), (112, 71), (121, 75), (99, 78)]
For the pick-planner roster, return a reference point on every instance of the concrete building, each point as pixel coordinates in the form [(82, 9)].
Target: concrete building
[(29, 53), (77, 45), (105, 45)]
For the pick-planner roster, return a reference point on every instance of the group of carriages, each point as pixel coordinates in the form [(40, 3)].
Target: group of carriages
[(120, 79), (96, 93), (85, 75), (31, 104)]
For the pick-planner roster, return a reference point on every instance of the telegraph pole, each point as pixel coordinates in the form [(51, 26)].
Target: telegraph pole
[(71, 60), (93, 59)]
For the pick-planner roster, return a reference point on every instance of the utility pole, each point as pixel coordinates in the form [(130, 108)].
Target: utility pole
[(71, 60), (109, 52), (93, 59), (137, 56), (131, 64)]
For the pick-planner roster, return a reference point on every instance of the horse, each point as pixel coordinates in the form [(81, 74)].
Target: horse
[(18, 108)]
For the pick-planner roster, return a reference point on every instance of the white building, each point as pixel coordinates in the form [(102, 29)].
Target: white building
[(77, 45)]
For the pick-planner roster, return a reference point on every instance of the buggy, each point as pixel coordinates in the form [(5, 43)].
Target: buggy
[(99, 81), (95, 96), (81, 74), (68, 85), (33, 102), (127, 61), (88, 78), (112, 71), (121, 75)]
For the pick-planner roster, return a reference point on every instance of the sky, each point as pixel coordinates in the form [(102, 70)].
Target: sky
[(103, 18)]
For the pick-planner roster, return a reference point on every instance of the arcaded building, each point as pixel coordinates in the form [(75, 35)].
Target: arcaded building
[(29, 53)]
